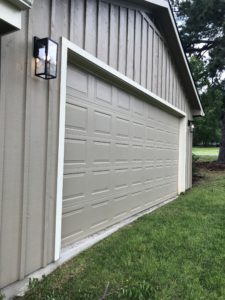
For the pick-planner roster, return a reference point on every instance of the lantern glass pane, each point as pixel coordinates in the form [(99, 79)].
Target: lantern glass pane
[(52, 58), (40, 61)]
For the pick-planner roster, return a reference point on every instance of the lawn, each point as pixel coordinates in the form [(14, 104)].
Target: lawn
[(206, 153), (177, 252)]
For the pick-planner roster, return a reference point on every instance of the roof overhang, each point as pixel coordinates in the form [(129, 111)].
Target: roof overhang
[(165, 17), (11, 16)]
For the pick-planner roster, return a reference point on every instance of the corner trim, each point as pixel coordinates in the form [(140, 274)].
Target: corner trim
[(182, 155)]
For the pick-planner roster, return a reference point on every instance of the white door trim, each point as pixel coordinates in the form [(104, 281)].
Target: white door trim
[(182, 155), (70, 51), (59, 193)]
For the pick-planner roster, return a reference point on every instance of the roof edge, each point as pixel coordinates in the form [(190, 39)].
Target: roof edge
[(165, 5)]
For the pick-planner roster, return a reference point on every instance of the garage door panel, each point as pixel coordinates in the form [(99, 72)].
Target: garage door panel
[(120, 156), (76, 117), (121, 180), (103, 92), (75, 185), (75, 151), (77, 83), (123, 101), (101, 182), (122, 127), (101, 152)]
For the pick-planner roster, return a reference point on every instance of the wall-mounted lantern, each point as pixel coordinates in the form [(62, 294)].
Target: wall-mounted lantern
[(46, 55), (191, 125)]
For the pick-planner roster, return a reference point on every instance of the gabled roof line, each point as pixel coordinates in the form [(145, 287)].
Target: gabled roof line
[(165, 5)]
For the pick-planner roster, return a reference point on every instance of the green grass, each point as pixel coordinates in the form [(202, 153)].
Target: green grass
[(177, 252), (206, 153)]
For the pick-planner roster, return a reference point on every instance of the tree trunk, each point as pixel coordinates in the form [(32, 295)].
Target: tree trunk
[(221, 158)]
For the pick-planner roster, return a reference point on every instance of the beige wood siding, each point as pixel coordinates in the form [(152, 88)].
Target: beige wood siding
[(29, 112), (121, 155)]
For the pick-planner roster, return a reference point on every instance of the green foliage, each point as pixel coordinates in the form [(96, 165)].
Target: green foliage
[(203, 29), (208, 129)]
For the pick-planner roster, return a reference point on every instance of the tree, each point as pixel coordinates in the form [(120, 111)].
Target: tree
[(201, 24)]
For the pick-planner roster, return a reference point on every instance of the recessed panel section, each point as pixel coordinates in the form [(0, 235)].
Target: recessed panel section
[(149, 154), (149, 174), (121, 152), (137, 153), (103, 92), (74, 185), (138, 107), (101, 152), (123, 100), (121, 179), (77, 80), (102, 122), (138, 131), (75, 151), (150, 133), (100, 182), (76, 117), (122, 127), (136, 176)]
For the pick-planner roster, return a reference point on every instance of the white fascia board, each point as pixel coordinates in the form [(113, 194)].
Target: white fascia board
[(10, 14), (22, 4), (162, 3), (99, 66)]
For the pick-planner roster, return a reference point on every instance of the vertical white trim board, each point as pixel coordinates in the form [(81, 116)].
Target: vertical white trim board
[(58, 225)]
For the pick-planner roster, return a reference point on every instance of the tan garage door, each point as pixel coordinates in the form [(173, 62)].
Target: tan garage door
[(121, 155)]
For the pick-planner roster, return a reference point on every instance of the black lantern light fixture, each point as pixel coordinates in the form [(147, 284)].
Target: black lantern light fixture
[(191, 125), (46, 55)]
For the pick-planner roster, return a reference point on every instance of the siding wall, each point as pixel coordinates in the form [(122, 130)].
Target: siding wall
[(122, 37)]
